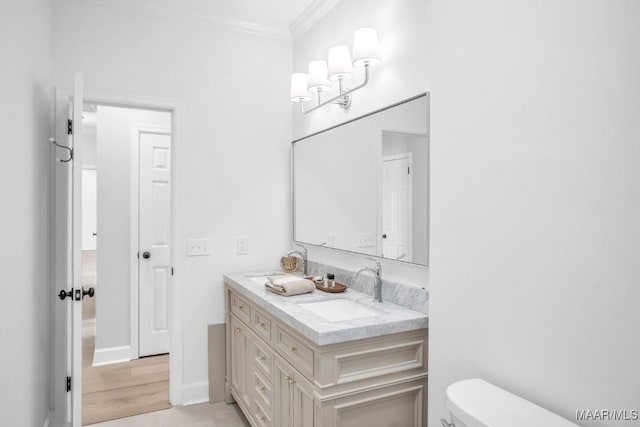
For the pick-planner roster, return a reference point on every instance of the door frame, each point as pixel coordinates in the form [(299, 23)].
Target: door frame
[(136, 130), (176, 107)]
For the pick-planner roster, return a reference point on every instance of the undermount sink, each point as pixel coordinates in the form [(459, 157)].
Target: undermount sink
[(337, 310), (261, 279)]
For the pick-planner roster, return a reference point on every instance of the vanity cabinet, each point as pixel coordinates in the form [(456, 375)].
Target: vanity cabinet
[(280, 378)]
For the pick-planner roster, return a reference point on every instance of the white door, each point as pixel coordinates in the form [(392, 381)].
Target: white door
[(396, 207), (153, 243), (68, 264), (89, 209)]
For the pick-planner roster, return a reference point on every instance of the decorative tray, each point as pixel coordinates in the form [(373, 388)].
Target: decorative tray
[(338, 287)]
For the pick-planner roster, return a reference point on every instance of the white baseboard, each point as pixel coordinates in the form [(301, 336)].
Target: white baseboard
[(195, 393), (107, 356)]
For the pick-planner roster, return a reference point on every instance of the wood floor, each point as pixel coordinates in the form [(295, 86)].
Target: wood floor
[(120, 389)]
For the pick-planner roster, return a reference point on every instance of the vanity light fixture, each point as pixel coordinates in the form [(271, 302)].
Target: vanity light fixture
[(366, 53)]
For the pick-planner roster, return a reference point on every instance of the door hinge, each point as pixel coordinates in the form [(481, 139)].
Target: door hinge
[(68, 384), (69, 127), (408, 170), (172, 271)]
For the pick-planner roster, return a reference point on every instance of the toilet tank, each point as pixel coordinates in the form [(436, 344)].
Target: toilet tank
[(477, 403)]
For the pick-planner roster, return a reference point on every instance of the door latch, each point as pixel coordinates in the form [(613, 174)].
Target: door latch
[(65, 294)]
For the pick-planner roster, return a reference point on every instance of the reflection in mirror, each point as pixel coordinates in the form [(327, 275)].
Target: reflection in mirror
[(363, 186)]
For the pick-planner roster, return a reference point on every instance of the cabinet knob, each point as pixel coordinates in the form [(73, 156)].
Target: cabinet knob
[(237, 329), (262, 358), (261, 389), (292, 348), (289, 379), (262, 325), (240, 307), (262, 418)]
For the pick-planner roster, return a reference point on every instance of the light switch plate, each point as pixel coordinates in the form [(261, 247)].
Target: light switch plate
[(365, 240), (198, 247), (242, 245)]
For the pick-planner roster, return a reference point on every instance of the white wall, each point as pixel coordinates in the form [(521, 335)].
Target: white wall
[(24, 226), (534, 215), (404, 72), (233, 159), (114, 158)]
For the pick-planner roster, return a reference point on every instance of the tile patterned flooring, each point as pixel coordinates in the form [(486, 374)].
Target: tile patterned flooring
[(201, 415)]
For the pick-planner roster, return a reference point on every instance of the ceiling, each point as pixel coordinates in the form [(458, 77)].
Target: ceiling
[(270, 13), (271, 17)]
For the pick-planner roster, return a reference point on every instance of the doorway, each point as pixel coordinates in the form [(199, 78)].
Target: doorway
[(126, 222), (404, 198)]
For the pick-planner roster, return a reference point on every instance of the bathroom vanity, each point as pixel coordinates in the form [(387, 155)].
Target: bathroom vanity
[(322, 359)]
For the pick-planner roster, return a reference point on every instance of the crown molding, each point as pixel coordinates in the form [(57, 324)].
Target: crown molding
[(310, 16), (219, 22)]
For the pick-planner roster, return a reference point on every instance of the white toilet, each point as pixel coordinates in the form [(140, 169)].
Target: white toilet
[(477, 403)]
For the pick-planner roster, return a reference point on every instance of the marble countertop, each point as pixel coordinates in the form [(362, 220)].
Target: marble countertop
[(394, 319)]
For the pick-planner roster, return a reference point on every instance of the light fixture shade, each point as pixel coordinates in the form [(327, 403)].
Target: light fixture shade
[(366, 48), (318, 81), (299, 91), (340, 66)]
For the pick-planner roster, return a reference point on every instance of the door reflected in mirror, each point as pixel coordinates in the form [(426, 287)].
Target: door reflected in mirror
[(363, 186)]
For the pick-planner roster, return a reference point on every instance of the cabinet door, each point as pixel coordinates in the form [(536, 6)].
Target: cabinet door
[(302, 406), (240, 363), (293, 397)]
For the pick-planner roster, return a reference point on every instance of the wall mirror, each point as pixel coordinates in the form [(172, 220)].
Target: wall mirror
[(363, 186)]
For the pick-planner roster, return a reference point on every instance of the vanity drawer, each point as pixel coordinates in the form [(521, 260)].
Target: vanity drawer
[(261, 416), (263, 358), (240, 308), (263, 392), (261, 325), (295, 352)]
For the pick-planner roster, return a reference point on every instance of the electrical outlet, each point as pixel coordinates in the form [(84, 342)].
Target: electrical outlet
[(242, 245), (365, 240), (198, 247)]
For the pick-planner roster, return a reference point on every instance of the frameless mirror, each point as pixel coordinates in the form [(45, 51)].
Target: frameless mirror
[(363, 186)]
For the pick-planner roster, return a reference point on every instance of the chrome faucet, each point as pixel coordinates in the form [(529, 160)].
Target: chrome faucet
[(302, 253), (377, 272)]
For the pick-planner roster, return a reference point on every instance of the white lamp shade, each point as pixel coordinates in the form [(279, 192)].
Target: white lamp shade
[(299, 91), (318, 76), (340, 66), (366, 48)]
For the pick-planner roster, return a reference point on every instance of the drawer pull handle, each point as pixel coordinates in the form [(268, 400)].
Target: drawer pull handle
[(262, 358), (292, 348), (238, 329)]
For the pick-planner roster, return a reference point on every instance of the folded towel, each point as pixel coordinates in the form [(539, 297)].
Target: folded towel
[(289, 285)]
